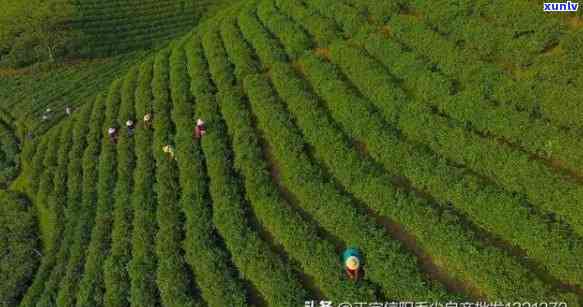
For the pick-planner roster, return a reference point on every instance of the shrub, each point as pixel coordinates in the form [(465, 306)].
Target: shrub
[(19, 244)]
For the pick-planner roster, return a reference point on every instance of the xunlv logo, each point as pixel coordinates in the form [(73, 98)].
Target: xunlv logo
[(561, 7)]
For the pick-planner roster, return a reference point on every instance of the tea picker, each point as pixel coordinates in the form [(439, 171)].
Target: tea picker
[(352, 260)]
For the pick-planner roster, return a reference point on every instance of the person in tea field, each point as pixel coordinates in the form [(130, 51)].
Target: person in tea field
[(352, 260), (46, 115), (200, 129), (112, 132), (169, 150), (68, 110), (131, 126), (148, 120)]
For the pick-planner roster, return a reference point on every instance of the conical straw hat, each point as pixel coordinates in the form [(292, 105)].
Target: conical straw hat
[(352, 263)]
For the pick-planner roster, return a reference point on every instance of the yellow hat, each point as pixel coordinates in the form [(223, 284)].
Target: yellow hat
[(352, 263)]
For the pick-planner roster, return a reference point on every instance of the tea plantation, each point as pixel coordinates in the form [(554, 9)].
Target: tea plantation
[(441, 138)]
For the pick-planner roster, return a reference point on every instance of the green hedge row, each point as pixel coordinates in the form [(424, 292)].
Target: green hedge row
[(387, 264), (487, 77), (238, 49), (254, 258), (488, 206), (92, 148), (268, 49), (537, 181), (292, 36), (116, 275), (270, 208), (141, 22), (446, 137), (37, 165), (172, 276), (323, 29), (510, 32), (379, 12), (92, 288), (219, 67), (471, 106), (316, 256), (454, 245), (74, 209), (252, 255), (56, 202), (143, 289), (215, 275), (352, 21), (46, 214)]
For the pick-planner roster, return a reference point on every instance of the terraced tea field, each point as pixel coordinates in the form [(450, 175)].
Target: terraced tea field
[(111, 27), (442, 139)]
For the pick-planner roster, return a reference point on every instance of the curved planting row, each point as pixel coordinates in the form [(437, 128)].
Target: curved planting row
[(131, 25), (487, 76), (47, 215), (370, 234), (495, 32), (211, 264), (542, 184), (280, 286), (238, 49), (143, 289), (488, 205), (473, 105), (116, 276), (293, 38), (56, 202), (92, 148), (364, 152), (387, 264), (173, 279), (74, 210), (352, 21), (334, 93), (91, 287), (267, 48), (408, 211), (301, 241), (324, 30)]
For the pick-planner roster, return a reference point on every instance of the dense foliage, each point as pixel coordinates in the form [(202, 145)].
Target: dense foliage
[(9, 155), (35, 31), (376, 124), (19, 246)]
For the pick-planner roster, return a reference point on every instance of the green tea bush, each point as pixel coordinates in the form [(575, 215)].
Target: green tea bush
[(19, 245)]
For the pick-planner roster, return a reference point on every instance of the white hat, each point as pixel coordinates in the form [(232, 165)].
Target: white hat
[(111, 130), (147, 116), (199, 122), (129, 122), (48, 110), (352, 263)]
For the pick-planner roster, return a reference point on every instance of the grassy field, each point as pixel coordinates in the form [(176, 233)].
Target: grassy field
[(440, 138)]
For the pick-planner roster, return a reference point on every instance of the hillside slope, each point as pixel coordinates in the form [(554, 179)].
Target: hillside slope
[(449, 161), (113, 27)]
